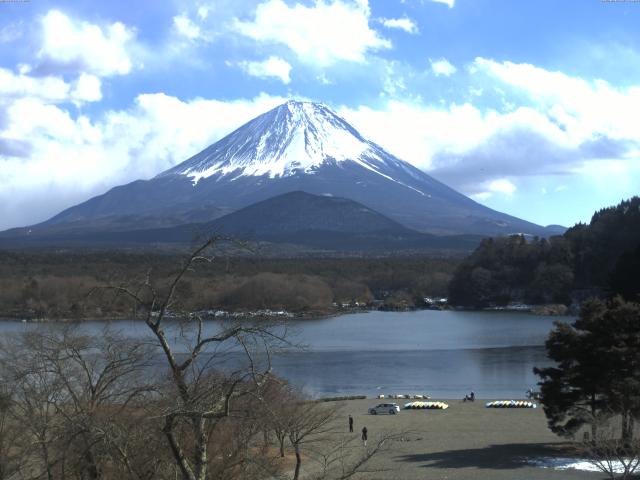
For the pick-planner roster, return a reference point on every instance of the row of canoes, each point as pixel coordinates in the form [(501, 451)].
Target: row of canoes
[(494, 404), (401, 396), (511, 404), (426, 406)]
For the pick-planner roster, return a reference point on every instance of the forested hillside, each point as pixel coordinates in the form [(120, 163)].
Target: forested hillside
[(600, 258)]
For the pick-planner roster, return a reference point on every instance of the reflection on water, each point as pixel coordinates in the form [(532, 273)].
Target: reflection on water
[(490, 372), (426, 329), (445, 354)]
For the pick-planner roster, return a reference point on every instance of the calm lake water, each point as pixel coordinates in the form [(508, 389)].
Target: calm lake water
[(443, 353)]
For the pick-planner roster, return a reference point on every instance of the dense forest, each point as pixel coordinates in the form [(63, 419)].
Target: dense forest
[(598, 259), (57, 284)]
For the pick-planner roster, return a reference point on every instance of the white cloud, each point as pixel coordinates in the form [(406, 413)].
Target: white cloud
[(566, 126), (502, 185), (449, 3), (87, 88), (63, 74), (481, 196), (64, 158), (11, 32), (79, 46), (322, 78), (581, 107), (185, 27), (203, 12), (468, 147), (50, 89), (393, 81), (404, 23), (321, 34), (442, 67), (417, 133), (31, 120), (271, 67)]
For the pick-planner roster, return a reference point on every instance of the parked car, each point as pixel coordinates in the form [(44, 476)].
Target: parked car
[(390, 408)]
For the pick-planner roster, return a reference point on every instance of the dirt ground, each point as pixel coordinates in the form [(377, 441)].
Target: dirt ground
[(466, 441)]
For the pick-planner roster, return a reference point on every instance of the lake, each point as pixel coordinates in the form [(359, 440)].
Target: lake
[(443, 353)]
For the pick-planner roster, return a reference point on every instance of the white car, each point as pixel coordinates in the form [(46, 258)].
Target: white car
[(390, 408)]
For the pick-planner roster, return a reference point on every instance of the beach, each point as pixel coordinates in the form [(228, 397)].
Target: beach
[(466, 441)]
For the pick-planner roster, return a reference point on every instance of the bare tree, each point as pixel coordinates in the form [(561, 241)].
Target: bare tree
[(34, 395), (308, 423), (201, 390), (10, 436), (71, 392), (609, 453), (343, 457), (279, 405)]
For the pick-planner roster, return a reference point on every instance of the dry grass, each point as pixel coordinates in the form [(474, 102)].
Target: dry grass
[(466, 441)]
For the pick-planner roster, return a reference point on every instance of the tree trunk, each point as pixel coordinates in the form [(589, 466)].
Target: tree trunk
[(200, 453), (594, 425), (89, 470), (45, 456), (178, 454), (627, 427), (296, 473), (281, 447), (626, 435)]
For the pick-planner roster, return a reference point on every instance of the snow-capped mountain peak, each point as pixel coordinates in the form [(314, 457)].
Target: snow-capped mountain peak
[(296, 147), (295, 137)]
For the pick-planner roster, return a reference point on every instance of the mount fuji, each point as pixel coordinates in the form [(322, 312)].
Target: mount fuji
[(297, 146)]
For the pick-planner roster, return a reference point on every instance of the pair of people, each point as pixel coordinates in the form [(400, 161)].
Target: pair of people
[(364, 431), (469, 398)]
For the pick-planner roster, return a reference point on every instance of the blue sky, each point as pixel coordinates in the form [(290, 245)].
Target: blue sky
[(528, 107)]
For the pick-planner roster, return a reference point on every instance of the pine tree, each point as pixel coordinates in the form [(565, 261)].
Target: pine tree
[(597, 370)]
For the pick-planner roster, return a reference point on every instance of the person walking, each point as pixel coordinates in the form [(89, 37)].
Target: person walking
[(350, 424), (364, 436)]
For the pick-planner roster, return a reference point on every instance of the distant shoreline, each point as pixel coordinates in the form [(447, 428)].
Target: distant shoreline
[(545, 309)]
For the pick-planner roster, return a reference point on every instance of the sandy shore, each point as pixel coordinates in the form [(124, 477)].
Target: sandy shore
[(466, 441)]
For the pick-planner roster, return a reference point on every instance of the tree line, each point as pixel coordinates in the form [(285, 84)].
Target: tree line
[(600, 259), (55, 284)]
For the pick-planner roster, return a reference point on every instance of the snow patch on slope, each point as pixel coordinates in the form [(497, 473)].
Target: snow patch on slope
[(304, 136), (296, 137)]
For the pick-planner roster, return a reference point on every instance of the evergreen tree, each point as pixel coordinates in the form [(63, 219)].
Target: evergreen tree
[(602, 257), (597, 370), (624, 278)]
